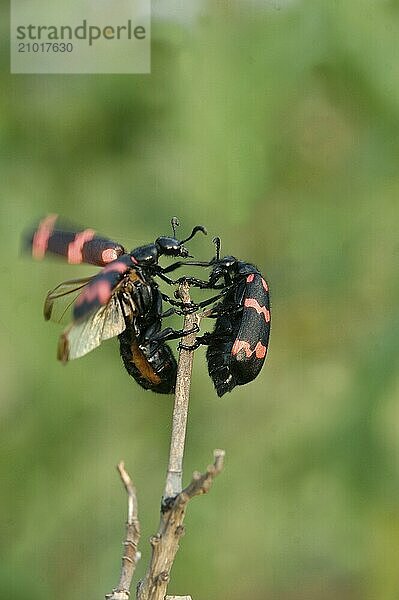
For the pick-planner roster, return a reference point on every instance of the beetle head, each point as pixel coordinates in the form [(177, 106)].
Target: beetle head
[(171, 246), (224, 267)]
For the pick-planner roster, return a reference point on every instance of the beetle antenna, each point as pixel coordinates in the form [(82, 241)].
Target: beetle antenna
[(194, 231), (175, 223), (216, 241)]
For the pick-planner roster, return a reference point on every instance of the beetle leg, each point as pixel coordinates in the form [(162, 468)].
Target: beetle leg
[(195, 282), (173, 334), (182, 263), (169, 312), (202, 340), (161, 271), (166, 278), (195, 306), (192, 347), (178, 304)]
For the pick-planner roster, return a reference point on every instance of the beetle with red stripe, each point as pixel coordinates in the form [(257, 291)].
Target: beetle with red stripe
[(237, 346), (122, 300)]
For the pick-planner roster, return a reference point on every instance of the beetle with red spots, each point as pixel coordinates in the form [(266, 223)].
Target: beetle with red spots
[(237, 346), (122, 300)]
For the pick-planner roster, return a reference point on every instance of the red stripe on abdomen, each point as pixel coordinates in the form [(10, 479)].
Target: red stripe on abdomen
[(75, 248), (42, 236)]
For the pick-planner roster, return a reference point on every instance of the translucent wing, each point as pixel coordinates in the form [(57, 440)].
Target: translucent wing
[(83, 336), (58, 301)]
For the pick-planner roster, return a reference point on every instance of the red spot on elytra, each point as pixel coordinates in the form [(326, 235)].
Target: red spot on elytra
[(241, 345), (252, 303), (265, 286), (42, 236), (134, 260), (259, 350), (75, 248), (250, 278)]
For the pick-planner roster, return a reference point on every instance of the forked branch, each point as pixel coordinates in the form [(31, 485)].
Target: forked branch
[(165, 543)]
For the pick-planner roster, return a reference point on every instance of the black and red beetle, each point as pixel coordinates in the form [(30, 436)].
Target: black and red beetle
[(237, 346), (122, 300)]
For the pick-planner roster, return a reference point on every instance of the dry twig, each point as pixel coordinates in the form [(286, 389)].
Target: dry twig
[(130, 555), (174, 474), (165, 543)]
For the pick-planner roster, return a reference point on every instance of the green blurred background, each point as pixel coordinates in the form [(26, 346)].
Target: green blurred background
[(276, 125)]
